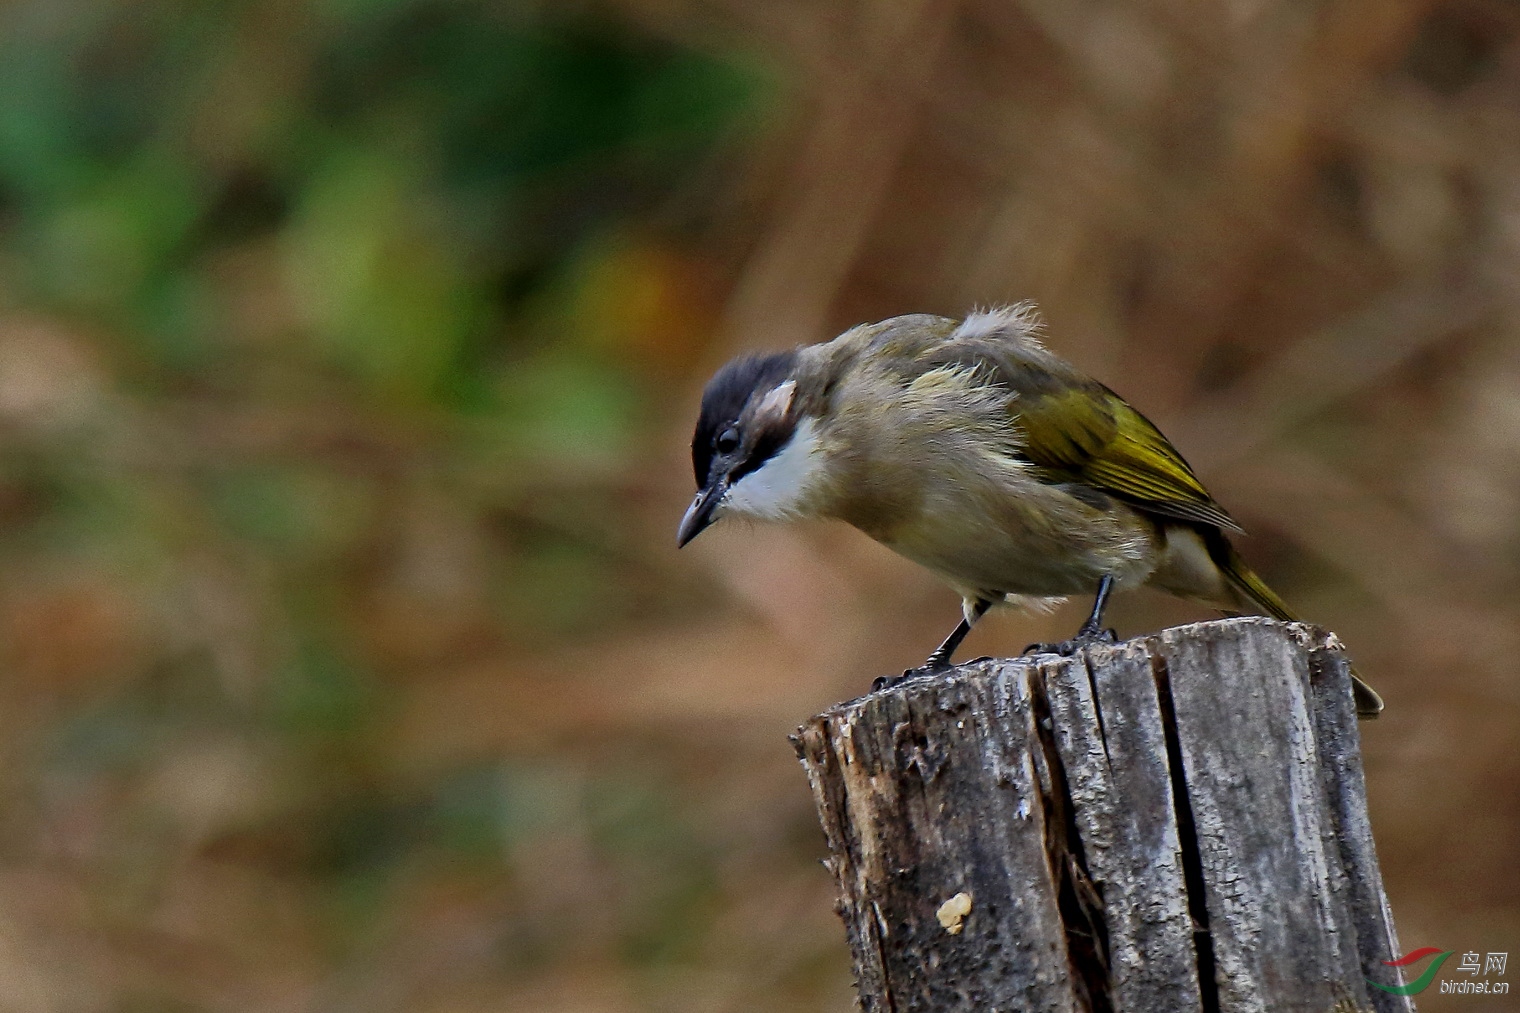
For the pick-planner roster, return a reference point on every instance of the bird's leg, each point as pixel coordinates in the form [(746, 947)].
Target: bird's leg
[(1093, 628), (1091, 631), (940, 659)]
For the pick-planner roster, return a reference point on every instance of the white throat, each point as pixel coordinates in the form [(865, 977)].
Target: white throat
[(779, 489)]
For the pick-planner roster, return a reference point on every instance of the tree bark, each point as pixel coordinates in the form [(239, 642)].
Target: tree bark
[(1178, 822)]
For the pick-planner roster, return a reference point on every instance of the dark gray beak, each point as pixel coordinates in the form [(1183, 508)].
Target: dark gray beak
[(701, 512)]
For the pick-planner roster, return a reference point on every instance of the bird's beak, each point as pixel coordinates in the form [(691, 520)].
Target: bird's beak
[(702, 512)]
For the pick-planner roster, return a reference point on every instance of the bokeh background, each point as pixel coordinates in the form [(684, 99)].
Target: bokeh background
[(349, 351)]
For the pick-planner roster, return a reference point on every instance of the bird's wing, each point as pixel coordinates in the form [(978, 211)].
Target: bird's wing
[(1091, 435), (1078, 430)]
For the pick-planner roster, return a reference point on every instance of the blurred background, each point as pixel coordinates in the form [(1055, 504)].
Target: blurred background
[(349, 351)]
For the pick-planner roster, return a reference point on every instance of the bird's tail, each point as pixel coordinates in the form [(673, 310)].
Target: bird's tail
[(1254, 591)]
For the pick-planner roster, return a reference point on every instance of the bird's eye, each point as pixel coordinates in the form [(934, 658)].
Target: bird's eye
[(727, 441)]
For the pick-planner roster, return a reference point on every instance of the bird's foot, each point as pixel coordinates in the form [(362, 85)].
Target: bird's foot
[(1066, 648), (882, 682), (930, 667)]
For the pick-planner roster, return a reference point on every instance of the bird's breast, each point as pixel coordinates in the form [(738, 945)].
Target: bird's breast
[(993, 526)]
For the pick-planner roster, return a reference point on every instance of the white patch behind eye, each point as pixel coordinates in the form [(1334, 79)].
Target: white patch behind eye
[(777, 401), (779, 489)]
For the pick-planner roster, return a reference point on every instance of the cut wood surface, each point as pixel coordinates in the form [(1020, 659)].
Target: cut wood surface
[(1173, 823)]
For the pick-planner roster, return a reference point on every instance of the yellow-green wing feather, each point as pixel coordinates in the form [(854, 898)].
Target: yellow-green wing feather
[(1085, 432)]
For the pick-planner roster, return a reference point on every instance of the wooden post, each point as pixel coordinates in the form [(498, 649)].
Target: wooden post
[(1176, 823)]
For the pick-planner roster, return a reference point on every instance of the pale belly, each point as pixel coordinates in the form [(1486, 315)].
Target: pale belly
[(1045, 543)]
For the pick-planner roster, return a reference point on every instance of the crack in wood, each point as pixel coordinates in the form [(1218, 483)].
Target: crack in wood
[(1097, 699), (1079, 900), (1192, 859)]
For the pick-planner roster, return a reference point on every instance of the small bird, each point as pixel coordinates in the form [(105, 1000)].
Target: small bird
[(969, 448)]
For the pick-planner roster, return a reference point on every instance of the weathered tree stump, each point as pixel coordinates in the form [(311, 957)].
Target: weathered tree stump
[(1178, 822)]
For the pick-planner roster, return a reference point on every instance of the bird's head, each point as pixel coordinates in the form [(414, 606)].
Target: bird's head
[(755, 451)]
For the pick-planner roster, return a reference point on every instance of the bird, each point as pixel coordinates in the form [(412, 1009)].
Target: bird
[(968, 447)]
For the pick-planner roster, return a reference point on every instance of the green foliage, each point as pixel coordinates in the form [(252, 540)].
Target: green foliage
[(422, 164), (325, 296)]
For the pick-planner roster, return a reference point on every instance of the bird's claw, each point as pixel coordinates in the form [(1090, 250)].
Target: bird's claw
[(1066, 648), (882, 682)]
